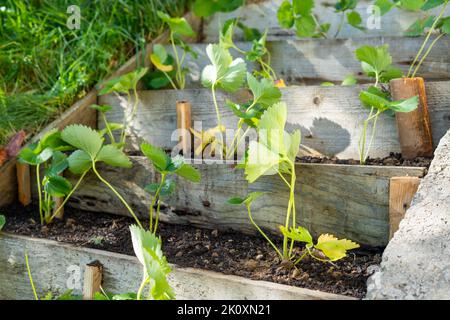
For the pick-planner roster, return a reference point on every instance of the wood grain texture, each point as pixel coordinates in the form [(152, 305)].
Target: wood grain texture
[(122, 274), (348, 201), (23, 183), (313, 61), (414, 128), (81, 113), (263, 15), (93, 276), (330, 118), (401, 193)]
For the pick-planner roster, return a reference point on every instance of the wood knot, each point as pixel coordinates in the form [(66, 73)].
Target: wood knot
[(206, 203), (317, 100)]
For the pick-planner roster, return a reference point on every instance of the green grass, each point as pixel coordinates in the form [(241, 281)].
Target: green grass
[(45, 66)]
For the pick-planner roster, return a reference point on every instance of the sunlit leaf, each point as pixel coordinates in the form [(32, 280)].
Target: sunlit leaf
[(299, 234), (334, 248)]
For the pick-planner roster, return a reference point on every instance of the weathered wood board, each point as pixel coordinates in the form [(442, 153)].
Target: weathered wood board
[(330, 118), (78, 113), (57, 267), (263, 15), (348, 201), (313, 61)]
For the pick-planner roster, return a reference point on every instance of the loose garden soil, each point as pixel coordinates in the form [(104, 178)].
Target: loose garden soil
[(227, 252)]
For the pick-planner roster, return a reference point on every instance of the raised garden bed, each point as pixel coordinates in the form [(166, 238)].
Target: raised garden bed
[(333, 193)]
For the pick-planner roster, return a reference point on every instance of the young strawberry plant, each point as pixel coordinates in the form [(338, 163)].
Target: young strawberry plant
[(223, 73), (48, 154), (90, 150), (166, 167), (124, 84), (376, 62), (179, 27), (109, 127), (258, 52)]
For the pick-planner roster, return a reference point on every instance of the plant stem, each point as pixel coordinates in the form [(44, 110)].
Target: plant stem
[(426, 39), (30, 277), (262, 232), (374, 127), (110, 134), (69, 195), (219, 119), (362, 139), (117, 194), (290, 209), (125, 122), (341, 24), (177, 59), (301, 258), (426, 54), (170, 80), (38, 181), (141, 287), (152, 205), (292, 199)]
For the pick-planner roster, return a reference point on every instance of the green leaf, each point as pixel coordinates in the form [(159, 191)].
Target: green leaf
[(235, 201), (103, 108), (349, 80), (419, 26), (391, 73), (344, 5), (205, 8), (384, 5), (248, 200), (374, 100), (30, 155), (412, 5), (376, 59), (250, 34), (177, 25), (189, 173), (166, 190), (260, 161), (430, 4), (157, 156), (79, 162), (2, 221), (224, 72), (305, 26), (285, 15), (406, 105), (355, 20), (124, 83), (333, 248), (158, 57), (125, 296), (52, 140), (298, 234), (57, 186), (83, 138), (271, 128), (327, 84), (446, 26), (303, 7), (58, 165), (114, 157), (226, 34), (264, 91), (147, 248)]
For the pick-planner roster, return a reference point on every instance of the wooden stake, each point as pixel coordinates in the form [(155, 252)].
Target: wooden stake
[(23, 183), (414, 127), (401, 193), (184, 124), (93, 276)]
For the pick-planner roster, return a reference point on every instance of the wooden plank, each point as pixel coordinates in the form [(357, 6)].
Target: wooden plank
[(263, 14), (23, 183), (330, 118), (401, 193), (93, 276), (414, 129), (348, 201), (313, 61), (80, 113), (122, 273)]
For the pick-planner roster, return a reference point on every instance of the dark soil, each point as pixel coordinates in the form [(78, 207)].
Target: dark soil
[(226, 252), (394, 159)]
